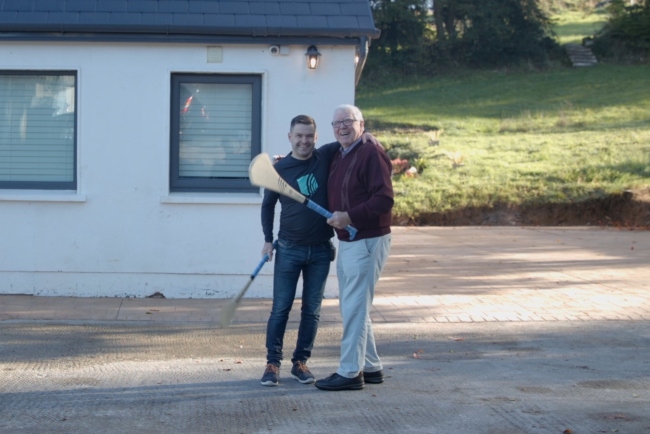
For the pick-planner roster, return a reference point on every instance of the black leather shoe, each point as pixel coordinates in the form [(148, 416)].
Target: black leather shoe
[(373, 377), (336, 382)]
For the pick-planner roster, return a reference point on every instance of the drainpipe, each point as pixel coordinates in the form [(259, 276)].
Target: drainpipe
[(363, 55)]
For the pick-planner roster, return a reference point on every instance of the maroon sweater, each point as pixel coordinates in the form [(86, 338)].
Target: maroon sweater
[(360, 184)]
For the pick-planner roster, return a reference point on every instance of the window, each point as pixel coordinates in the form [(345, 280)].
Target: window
[(38, 130), (215, 131)]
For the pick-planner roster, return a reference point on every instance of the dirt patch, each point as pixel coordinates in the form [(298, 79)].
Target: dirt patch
[(630, 209)]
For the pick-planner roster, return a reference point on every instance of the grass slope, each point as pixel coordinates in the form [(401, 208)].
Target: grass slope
[(572, 26), (486, 138)]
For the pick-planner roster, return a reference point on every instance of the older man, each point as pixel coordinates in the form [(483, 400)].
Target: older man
[(360, 193)]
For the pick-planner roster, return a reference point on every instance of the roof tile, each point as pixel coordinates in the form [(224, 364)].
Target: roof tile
[(355, 9), (126, 18), (234, 7), (325, 9), (219, 20), (313, 22), (63, 17), (266, 8), (149, 18), (94, 17), (205, 6), (342, 22), (280, 21), (250, 20), (295, 8), (172, 6), (258, 18), (142, 6), (18, 5), (365, 22), (49, 6), (80, 5), (8, 17), (112, 6), (31, 17), (188, 19)]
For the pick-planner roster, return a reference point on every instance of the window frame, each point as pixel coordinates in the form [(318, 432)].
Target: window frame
[(214, 185), (49, 185)]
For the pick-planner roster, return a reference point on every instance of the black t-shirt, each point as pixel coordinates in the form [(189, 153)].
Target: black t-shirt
[(299, 224)]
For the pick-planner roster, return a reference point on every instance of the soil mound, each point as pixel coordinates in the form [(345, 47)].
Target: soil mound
[(630, 209)]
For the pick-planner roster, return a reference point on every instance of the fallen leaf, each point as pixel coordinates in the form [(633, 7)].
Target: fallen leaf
[(567, 431), (616, 416), (238, 362), (227, 369)]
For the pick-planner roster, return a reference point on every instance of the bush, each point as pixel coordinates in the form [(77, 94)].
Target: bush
[(626, 36)]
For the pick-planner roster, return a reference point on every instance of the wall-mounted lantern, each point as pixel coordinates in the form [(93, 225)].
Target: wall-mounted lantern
[(313, 56)]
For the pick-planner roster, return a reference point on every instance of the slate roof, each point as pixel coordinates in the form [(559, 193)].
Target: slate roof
[(226, 18)]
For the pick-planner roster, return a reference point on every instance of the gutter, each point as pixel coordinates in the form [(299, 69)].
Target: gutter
[(32, 31), (363, 55)]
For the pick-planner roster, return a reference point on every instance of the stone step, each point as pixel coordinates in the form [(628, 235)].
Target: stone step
[(580, 55)]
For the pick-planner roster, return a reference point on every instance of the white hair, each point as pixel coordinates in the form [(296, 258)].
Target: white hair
[(352, 109)]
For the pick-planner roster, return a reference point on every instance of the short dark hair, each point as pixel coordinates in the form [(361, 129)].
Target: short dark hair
[(304, 120)]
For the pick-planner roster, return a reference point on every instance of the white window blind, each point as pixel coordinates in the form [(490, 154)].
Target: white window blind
[(37, 121), (215, 130)]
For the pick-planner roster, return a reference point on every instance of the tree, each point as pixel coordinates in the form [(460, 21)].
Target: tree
[(403, 24), (420, 35), (492, 32), (627, 32)]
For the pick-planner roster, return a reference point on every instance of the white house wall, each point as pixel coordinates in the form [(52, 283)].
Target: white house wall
[(122, 233)]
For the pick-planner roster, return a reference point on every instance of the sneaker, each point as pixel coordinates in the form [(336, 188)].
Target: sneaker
[(300, 372), (336, 382), (373, 377), (270, 377)]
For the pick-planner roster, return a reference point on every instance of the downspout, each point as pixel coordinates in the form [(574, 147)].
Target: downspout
[(363, 55)]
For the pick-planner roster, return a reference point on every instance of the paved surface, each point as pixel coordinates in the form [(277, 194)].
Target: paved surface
[(481, 330)]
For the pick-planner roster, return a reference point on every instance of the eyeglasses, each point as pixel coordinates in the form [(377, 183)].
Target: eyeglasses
[(347, 122)]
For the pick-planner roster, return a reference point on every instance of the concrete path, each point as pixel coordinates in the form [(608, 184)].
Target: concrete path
[(439, 275), (481, 330)]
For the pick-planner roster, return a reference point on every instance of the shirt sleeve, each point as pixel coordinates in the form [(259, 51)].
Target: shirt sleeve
[(329, 150), (268, 214)]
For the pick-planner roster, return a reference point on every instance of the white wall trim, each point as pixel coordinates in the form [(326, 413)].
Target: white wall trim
[(212, 198), (41, 196)]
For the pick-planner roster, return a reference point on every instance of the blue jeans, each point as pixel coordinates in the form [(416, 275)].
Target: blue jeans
[(290, 261)]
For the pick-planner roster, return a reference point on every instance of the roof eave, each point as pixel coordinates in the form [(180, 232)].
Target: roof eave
[(60, 31)]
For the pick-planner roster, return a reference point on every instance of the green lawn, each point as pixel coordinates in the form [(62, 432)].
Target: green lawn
[(572, 26), (560, 136)]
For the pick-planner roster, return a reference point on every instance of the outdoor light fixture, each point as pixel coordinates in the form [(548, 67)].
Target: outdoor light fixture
[(312, 57)]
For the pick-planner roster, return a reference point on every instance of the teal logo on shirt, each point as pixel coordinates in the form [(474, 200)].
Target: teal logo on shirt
[(308, 185)]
